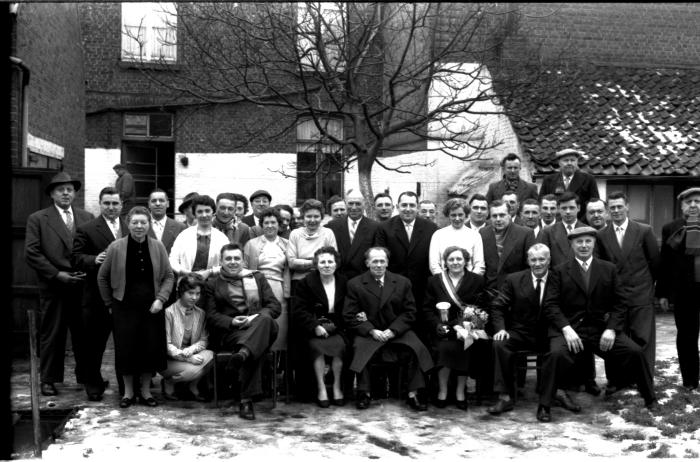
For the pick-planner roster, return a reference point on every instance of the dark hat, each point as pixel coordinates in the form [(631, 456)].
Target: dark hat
[(187, 201), (226, 195), (260, 192), (568, 152), (60, 178), (118, 166), (688, 192), (582, 231)]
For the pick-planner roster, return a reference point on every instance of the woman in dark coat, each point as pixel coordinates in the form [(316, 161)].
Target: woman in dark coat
[(318, 304), (135, 280), (457, 287)]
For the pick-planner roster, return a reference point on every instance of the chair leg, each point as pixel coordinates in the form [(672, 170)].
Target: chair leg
[(274, 378), (216, 382), (286, 376)]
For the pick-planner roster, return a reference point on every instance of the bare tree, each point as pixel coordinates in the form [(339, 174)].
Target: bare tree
[(368, 78)]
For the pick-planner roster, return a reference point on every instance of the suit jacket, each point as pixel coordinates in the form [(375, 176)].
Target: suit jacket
[(239, 235), (676, 269), (525, 190), (48, 243), (410, 260), (311, 303), (582, 183), (250, 220), (91, 239), (171, 230), (472, 291), (391, 307), (517, 307), (637, 261), (557, 240), (111, 277), (352, 254), (588, 312), (517, 240)]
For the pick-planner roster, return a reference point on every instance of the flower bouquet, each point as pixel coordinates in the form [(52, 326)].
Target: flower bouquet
[(473, 322)]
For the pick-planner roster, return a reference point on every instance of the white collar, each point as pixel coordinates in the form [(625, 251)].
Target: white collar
[(62, 212), (351, 221), (587, 262), (573, 225), (534, 278), (623, 225), (408, 224), (162, 220)]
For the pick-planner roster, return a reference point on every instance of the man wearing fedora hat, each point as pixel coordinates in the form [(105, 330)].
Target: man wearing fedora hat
[(259, 200), (570, 178), (48, 246), (679, 282), (186, 209)]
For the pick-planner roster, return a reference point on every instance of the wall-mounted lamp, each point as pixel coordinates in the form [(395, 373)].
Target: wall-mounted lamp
[(184, 161)]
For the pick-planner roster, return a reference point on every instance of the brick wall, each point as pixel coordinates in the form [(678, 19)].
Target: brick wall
[(48, 41)]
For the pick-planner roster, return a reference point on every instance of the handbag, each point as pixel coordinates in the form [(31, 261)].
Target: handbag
[(327, 324)]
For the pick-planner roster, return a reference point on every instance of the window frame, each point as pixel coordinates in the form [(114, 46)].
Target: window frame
[(156, 33)]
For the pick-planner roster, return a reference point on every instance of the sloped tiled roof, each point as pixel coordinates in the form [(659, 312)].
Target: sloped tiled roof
[(628, 121)]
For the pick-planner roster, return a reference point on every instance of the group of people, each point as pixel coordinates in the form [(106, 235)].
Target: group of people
[(558, 272)]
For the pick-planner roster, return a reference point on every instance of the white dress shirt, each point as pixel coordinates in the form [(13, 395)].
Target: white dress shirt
[(544, 282)]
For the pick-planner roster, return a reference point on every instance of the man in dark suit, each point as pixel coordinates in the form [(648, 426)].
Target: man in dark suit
[(163, 228), (478, 212), (48, 246), (226, 222), (511, 181), (505, 245), (530, 216), (380, 310), (516, 317), (89, 251), (570, 178), (584, 305), (632, 247), (259, 201), (354, 234), (555, 236), (596, 214), (679, 281), (548, 210), (409, 253)]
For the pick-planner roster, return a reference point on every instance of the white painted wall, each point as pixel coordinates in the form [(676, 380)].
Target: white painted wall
[(98, 174)]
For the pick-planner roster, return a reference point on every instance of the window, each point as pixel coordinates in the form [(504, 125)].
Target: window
[(321, 27), (149, 32), (154, 126), (319, 160)]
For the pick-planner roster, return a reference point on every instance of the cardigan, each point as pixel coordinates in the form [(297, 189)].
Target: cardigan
[(111, 278), (175, 329), (184, 249), (251, 256), (301, 246)]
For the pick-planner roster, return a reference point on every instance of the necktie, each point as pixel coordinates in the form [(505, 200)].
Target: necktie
[(584, 265), (538, 290), (620, 235), (380, 283), (569, 228), (69, 220), (409, 231), (115, 228), (353, 228), (567, 180)]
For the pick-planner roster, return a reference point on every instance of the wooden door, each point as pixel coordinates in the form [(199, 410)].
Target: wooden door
[(152, 164)]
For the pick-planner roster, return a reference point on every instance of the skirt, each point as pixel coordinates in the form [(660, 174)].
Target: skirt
[(139, 338), (451, 354), (183, 371), (333, 346)]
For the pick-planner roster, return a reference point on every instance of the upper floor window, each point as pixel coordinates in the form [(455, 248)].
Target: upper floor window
[(321, 36), (149, 32)]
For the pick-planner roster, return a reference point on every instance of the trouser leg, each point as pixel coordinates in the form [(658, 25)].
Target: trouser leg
[(643, 332), (687, 316), (504, 364), (52, 336), (555, 365), (630, 358)]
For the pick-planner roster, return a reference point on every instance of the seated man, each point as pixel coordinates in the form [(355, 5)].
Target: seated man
[(241, 309), (517, 321), (585, 308), (380, 310)]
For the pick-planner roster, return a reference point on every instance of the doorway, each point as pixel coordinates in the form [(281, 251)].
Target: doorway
[(152, 165)]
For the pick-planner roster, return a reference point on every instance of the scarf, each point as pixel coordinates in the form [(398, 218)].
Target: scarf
[(511, 185), (250, 287), (688, 234)]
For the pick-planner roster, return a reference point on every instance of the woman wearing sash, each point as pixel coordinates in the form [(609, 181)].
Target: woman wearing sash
[(457, 287)]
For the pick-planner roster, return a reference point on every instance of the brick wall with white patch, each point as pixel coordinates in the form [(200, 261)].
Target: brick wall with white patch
[(98, 174)]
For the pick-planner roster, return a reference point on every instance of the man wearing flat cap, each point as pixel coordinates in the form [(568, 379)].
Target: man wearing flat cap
[(259, 200), (48, 246), (126, 188), (186, 209), (585, 308), (570, 178), (679, 281)]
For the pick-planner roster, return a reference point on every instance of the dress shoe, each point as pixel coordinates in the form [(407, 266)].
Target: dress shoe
[(440, 403), (544, 414), (150, 401), (415, 404), (237, 359), (340, 402), (48, 389), (462, 404), (246, 411), (362, 401), (323, 403), (592, 388), (501, 406), (563, 399), (94, 396), (126, 402)]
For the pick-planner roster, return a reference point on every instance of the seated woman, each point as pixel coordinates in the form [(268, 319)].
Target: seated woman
[(457, 287), (318, 304), (187, 337)]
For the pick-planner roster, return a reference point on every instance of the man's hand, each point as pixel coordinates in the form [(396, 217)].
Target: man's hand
[(321, 332), (156, 306), (501, 335), (99, 258), (239, 321), (573, 341), (389, 334), (68, 278), (378, 335), (607, 339), (663, 302), (196, 359)]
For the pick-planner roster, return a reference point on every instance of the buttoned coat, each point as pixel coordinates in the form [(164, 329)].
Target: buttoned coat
[(582, 183), (516, 242), (352, 255), (676, 269), (391, 307), (517, 307), (556, 238), (311, 304), (525, 190)]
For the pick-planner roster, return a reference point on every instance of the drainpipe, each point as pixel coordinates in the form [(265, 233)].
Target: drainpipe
[(25, 73)]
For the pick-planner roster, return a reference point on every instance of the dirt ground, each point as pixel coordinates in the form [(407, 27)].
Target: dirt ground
[(388, 430)]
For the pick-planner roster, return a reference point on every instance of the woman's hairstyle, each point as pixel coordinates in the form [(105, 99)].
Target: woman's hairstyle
[(202, 200), (311, 204), (270, 212), (329, 250), (138, 210), (454, 204), (453, 248), (188, 282)]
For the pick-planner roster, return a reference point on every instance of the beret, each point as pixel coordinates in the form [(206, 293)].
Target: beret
[(688, 192), (260, 192)]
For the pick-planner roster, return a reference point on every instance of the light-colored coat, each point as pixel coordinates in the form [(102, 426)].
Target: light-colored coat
[(184, 249)]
